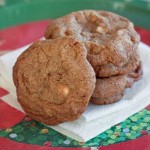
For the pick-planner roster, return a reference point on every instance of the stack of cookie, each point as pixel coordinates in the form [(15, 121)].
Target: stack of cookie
[(87, 55), (112, 45)]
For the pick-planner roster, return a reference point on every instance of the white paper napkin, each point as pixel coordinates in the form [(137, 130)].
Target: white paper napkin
[(95, 119)]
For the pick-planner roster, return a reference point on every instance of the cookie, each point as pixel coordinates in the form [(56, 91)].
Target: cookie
[(111, 70), (137, 73), (54, 80), (107, 100), (108, 87), (109, 90), (134, 76), (108, 37)]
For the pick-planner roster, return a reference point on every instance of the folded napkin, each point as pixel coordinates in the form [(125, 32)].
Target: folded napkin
[(95, 119)]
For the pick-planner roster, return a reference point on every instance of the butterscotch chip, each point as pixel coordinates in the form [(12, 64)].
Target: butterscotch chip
[(110, 39), (54, 80)]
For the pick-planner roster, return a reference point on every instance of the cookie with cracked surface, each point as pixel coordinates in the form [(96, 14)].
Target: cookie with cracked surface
[(109, 90), (111, 70), (54, 80), (108, 37)]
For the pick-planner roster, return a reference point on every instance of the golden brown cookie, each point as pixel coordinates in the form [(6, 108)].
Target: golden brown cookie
[(54, 80), (108, 37), (109, 90)]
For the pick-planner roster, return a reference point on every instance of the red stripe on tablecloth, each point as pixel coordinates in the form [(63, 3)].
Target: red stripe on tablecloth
[(9, 116), (142, 143), (21, 35), (145, 35), (3, 92), (6, 144)]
